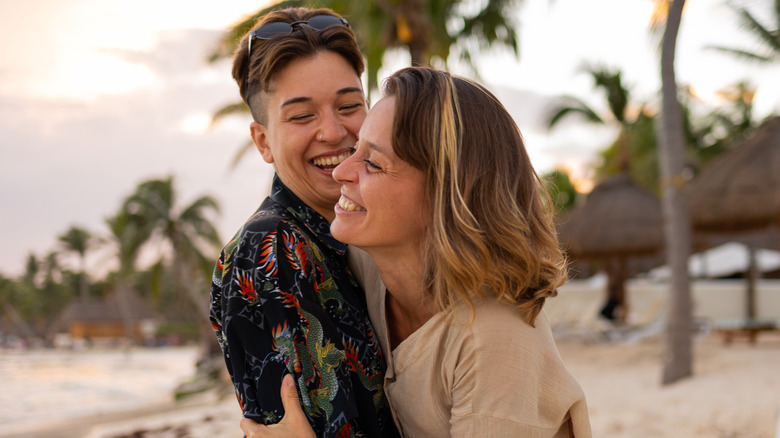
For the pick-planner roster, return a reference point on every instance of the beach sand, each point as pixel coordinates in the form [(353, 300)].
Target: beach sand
[(735, 392)]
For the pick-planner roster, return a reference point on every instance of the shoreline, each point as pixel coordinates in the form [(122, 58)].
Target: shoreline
[(155, 418), (734, 391)]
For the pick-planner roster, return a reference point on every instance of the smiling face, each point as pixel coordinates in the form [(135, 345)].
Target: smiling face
[(315, 109), (382, 204)]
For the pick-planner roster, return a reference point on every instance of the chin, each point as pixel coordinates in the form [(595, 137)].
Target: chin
[(340, 231)]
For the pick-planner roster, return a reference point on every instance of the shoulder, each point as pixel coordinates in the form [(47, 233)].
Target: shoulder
[(489, 320), (512, 372), (495, 337), (268, 218), (270, 222), (267, 234)]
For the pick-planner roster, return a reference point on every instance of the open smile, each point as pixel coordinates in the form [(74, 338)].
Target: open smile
[(330, 163), (347, 205)]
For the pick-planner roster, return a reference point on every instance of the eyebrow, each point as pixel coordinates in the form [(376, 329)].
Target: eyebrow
[(375, 148), (301, 99)]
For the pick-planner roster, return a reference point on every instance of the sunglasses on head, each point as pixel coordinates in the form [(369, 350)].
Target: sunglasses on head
[(270, 30)]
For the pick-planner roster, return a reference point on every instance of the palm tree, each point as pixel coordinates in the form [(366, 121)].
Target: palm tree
[(767, 38), (429, 30), (631, 119), (128, 234), (617, 93), (735, 121), (8, 306), (678, 362), (39, 295), (79, 241), (185, 229)]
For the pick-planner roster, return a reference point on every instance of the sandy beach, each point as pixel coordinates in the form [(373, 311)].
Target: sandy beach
[(735, 392)]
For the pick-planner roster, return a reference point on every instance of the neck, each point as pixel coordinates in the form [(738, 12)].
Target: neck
[(407, 306)]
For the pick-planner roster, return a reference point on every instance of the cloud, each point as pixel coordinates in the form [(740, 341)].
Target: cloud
[(71, 162)]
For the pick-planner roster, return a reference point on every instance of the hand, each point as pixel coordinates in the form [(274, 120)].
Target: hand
[(293, 424)]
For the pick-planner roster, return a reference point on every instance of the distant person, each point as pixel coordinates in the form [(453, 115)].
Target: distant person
[(441, 194), (283, 300)]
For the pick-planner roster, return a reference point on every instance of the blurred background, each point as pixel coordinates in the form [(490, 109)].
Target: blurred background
[(124, 167)]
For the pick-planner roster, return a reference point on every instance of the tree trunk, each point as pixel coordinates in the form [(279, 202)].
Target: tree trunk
[(752, 275), (123, 289), (419, 28), (678, 360), (83, 280)]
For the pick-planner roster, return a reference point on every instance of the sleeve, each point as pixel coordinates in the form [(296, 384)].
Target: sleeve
[(509, 381), (249, 321)]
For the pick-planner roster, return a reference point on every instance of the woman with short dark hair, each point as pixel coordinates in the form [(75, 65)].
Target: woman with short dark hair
[(283, 299)]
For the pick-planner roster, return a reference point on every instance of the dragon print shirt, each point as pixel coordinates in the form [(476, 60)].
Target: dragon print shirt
[(283, 300)]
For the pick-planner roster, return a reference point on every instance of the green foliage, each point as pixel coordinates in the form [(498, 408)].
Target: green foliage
[(188, 232), (559, 187), (708, 131), (767, 36), (33, 302), (148, 217), (184, 331), (641, 161), (427, 29), (617, 94)]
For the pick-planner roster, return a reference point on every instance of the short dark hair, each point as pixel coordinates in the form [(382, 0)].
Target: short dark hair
[(272, 55)]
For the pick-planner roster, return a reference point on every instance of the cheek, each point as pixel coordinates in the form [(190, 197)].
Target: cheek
[(354, 123)]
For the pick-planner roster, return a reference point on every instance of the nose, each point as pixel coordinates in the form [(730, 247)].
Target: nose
[(332, 130), (345, 172)]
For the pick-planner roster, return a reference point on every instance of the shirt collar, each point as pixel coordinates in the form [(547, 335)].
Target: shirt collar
[(305, 214)]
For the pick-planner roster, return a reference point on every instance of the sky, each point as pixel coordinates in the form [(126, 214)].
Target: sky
[(97, 96)]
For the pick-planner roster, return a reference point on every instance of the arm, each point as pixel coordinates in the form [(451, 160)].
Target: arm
[(286, 311), (243, 323)]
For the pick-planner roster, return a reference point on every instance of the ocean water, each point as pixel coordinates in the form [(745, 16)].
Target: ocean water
[(47, 385)]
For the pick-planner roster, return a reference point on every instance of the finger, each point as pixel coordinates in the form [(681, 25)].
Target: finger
[(289, 394), (250, 428)]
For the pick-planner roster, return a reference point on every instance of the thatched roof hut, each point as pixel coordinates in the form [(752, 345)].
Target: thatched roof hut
[(618, 218), (121, 315), (740, 190)]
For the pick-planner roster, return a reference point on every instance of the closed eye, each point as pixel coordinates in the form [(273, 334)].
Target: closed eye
[(373, 166), (351, 108), (300, 118)]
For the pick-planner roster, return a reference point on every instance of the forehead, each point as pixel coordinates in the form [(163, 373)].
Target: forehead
[(378, 125), (324, 74)]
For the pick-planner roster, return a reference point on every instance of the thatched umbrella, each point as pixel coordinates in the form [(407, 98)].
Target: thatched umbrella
[(740, 190), (618, 220)]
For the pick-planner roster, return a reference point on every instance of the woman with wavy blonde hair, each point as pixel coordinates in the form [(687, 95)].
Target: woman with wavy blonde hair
[(491, 232), (442, 196)]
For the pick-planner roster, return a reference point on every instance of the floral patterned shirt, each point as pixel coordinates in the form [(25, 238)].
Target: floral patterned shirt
[(283, 300)]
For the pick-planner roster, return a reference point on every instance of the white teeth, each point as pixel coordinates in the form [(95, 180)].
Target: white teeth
[(348, 205), (331, 161)]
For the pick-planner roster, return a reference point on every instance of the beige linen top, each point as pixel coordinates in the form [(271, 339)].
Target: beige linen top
[(493, 377)]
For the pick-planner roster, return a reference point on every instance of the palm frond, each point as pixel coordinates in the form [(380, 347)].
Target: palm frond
[(574, 106), (231, 109), (228, 43), (743, 54), (242, 151)]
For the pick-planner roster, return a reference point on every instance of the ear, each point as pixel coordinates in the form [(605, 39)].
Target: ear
[(260, 138)]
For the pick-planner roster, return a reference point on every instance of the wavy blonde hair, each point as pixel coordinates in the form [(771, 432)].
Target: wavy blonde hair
[(492, 234)]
